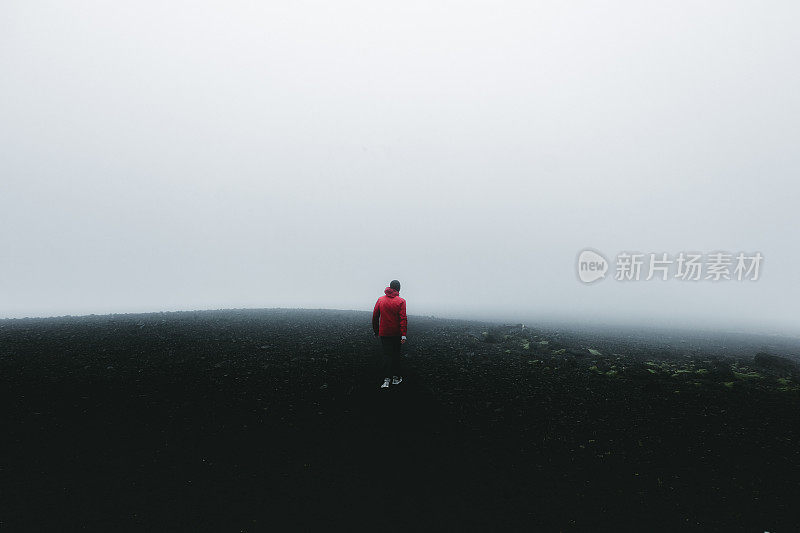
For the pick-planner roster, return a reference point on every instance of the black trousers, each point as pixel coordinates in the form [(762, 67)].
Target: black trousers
[(391, 364)]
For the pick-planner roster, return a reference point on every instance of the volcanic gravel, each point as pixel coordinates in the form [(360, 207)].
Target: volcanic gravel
[(272, 419)]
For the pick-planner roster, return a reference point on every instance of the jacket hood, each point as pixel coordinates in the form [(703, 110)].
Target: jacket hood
[(390, 292)]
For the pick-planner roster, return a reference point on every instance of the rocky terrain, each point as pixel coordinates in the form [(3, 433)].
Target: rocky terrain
[(254, 420)]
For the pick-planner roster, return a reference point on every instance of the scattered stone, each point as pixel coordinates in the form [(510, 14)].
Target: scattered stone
[(748, 375), (578, 352), (775, 363), (489, 337)]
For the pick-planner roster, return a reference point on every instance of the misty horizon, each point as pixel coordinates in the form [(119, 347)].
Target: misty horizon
[(235, 155)]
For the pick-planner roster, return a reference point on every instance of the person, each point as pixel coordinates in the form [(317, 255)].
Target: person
[(389, 321)]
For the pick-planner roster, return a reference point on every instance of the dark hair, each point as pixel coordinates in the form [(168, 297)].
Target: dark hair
[(395, 285)]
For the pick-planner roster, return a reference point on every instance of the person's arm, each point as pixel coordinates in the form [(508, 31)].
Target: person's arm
[(403, 321), (376, 315)]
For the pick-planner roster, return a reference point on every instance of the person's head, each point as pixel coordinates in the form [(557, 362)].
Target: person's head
[(395, 285)]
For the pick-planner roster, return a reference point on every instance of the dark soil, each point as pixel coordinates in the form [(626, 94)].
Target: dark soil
[(254, 420)]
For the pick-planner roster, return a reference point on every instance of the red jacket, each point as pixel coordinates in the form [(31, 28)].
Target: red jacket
[(390, 312)]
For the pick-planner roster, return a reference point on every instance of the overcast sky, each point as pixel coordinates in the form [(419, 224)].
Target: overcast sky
[(169, 155)]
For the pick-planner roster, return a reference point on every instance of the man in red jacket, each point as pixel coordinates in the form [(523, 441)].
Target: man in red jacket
[(389, 321)]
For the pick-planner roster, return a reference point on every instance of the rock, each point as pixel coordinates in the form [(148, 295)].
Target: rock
[(776, 363), (514, 330), (639, 372), (578, 352)]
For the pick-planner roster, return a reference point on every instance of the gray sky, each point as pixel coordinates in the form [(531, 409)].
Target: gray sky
[(192, 155)]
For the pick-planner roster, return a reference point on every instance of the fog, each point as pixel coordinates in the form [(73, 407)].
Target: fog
[(202, 155)]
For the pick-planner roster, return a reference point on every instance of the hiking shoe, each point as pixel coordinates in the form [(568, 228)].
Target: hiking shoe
[(385, 383), (396, 380)]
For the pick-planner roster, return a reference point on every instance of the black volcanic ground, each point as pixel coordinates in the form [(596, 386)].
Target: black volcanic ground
[(254, 420)]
